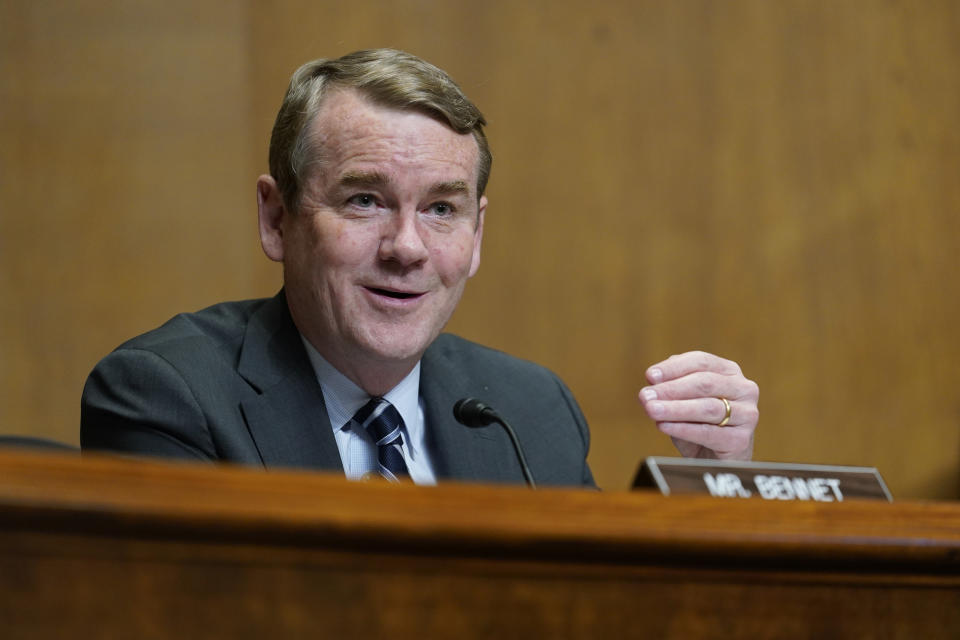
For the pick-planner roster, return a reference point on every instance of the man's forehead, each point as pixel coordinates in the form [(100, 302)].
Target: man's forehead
[(351, 127), (352, 105)]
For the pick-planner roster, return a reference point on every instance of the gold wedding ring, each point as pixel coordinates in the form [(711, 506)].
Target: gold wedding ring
[(726, 418)]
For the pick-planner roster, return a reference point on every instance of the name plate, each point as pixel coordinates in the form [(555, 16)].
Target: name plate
[(764, 480)]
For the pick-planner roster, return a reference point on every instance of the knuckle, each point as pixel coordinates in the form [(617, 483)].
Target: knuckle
[(703, 388), (702, 360), (703, 385)]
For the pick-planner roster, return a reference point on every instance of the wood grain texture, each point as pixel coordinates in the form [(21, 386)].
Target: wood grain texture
[(775, 182), (122, 547)]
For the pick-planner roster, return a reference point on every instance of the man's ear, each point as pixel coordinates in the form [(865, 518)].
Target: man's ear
[(271, 213), (478, 236)]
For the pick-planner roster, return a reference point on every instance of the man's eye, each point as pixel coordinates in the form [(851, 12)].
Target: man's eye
[(441, 209), (363, 200)]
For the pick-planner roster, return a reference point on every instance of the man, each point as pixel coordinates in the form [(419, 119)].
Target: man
[(375, 206)]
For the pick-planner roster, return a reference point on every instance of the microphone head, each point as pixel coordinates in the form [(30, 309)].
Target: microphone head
[(471, 412)]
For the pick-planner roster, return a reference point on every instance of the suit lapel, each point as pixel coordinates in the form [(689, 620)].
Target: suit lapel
[(459, 452), (288, 419)]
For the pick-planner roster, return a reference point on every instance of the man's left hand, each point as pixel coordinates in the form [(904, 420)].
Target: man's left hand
[(685, 399)]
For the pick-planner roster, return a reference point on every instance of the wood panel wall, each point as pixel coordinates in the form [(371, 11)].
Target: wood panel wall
[(773, 181)]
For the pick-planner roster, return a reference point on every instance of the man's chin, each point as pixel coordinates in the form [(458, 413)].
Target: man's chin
[(397, 350)]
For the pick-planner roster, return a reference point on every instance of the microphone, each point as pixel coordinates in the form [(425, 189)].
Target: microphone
[(473, 413)]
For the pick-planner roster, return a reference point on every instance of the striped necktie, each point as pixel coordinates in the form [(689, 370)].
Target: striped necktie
[(383, 422)]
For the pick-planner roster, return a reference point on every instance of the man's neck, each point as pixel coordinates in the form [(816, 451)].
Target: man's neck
[(376, 377)]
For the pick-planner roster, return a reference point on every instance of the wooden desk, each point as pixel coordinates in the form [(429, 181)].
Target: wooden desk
[(108, 548)]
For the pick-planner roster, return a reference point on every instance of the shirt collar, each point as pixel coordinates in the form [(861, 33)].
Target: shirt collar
[(343, 398)]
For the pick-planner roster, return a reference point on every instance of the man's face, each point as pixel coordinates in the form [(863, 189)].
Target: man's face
[(387, 233)]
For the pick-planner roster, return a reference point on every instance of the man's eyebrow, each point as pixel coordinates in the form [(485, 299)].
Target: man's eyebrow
[(363, 179), (452, 187), (377, 178)]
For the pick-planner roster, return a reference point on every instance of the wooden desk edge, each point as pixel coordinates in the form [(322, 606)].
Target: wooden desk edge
[(100, 495)]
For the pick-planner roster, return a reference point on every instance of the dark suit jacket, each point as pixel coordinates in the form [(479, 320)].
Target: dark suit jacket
[(234, 383)]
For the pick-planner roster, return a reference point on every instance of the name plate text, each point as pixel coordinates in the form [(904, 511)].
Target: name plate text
[(763, 480)]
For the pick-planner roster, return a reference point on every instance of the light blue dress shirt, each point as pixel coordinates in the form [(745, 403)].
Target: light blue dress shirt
[(358, 452)]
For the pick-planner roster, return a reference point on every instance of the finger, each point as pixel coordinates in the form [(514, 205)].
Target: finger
[(704, 410), (690, 449), (683, 364), (702, 384), (725, 443)]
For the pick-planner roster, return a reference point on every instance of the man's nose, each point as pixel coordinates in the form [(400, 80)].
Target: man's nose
[(402, 240)]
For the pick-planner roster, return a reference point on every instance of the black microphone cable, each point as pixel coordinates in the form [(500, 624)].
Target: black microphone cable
[(473, 413)]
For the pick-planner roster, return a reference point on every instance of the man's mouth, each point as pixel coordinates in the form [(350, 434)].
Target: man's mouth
[(390, 293)]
